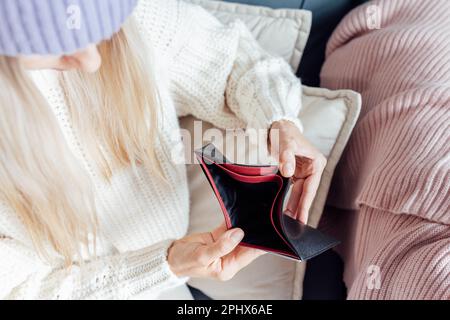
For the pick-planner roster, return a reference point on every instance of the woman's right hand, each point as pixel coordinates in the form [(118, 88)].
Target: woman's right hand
[(214, 254)]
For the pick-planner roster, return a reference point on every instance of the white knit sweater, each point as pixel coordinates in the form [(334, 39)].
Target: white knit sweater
[(217, 73)]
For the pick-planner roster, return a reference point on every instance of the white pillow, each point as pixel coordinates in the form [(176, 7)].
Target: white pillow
[(281, 32), (328, 118)]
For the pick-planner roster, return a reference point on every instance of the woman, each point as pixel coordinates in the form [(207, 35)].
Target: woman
[(91, 204)]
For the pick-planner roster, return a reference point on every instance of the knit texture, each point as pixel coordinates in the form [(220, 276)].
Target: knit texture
[(389, 256), (396, 170), (205, 69), (58, 27)]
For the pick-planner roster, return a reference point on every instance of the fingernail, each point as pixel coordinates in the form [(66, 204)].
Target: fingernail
[(289, 169), (237, 235)]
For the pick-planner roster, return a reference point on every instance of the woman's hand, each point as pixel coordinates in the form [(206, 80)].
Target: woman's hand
[(214, 254), (300, 160)]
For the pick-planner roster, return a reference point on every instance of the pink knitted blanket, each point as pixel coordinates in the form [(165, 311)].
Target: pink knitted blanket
[(395, 174)]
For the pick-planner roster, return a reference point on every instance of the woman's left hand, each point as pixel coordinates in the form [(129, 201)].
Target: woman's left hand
[(300, 160)]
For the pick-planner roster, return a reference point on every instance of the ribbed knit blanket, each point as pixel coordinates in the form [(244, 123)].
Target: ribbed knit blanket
[(394, 179)]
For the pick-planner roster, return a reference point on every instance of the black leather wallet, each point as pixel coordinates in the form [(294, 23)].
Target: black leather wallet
[(252, 198)]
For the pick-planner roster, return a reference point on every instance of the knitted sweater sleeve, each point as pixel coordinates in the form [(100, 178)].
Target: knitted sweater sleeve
[(217, 72), (261, 88), (118, 276)]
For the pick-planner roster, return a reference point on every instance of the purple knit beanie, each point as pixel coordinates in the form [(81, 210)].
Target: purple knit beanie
[(58, 26)]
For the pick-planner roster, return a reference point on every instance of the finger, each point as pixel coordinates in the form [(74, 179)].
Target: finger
[(208, 238), (226, 243), (216, 233), (245, 254), (310, 187), (294, 199), (240, 258), (304, 167), (287, 163)]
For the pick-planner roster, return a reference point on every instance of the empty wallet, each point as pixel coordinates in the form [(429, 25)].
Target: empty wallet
[(252, 198)]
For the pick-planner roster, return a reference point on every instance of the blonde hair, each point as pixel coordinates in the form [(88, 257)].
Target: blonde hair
[(114, 111)]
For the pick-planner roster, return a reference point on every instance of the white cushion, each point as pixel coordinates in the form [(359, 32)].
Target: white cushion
[(328, 117), (282, 32)]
